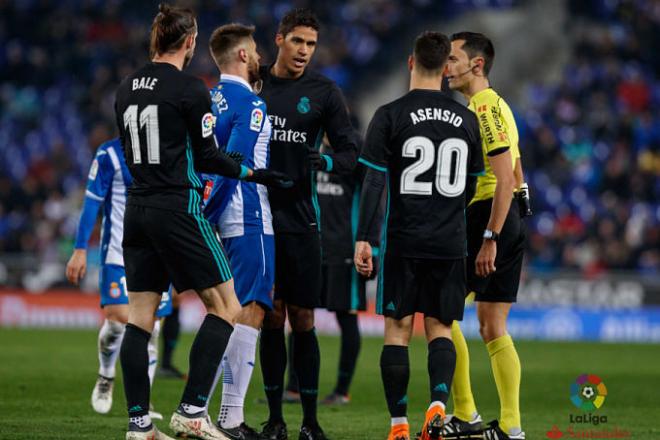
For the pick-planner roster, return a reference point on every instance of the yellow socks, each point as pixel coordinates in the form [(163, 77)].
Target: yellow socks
[(461, 390), (506, 369)]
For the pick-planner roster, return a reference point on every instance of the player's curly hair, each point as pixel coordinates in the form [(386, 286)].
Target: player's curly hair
[(298, 17), (477, 44), (170, 28), (431, 50)]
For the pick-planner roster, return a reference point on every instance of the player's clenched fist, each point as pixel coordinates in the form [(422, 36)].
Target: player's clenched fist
[(363, 258)]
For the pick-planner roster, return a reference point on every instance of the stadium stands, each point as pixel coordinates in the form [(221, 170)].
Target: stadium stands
[(591, 143)]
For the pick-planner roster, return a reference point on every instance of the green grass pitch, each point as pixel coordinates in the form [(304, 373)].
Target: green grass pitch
[(46, 378)]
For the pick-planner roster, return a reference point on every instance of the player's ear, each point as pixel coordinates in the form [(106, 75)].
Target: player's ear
[(478, 65), (279, 39), (411, 63), (242, 55)]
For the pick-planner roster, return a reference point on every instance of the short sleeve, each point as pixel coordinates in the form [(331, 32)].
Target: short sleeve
[(493, 128), (476, 156), (374, 151)]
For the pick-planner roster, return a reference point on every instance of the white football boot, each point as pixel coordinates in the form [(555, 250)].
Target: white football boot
[(199, 427)]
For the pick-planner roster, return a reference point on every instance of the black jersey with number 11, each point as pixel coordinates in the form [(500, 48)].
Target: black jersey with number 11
[(427, 143), (166, 129)]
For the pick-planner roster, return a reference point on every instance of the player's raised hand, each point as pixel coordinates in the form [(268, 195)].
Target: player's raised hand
[(77, 266), (485, 262), (268, 177), (363, 258)]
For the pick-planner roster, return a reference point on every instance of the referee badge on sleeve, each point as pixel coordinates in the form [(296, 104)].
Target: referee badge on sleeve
[(256, 119)]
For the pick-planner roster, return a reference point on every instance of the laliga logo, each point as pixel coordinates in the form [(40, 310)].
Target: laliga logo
[(588, 392)]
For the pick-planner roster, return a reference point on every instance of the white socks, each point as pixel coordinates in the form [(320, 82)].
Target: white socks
[(152, 349), (399, 421), (110, 336), (437, 403), (237, 366)]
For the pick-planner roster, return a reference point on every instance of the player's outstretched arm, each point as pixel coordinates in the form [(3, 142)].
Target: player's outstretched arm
[(207, 158)]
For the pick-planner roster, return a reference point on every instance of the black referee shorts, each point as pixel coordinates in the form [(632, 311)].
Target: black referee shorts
[(344, 290), (298, 269), (433, 287), (162, 246), (501, 286)]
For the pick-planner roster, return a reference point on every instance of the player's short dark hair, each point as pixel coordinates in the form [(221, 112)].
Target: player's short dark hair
[(431, 50), (227, 37), (477, 44), (170, 28), (298, 17)]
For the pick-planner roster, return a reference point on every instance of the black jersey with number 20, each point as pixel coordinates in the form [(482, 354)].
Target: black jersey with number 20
[(166, 129), (427, 143)]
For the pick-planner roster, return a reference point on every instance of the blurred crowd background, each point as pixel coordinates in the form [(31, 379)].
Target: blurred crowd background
[(590, 141)]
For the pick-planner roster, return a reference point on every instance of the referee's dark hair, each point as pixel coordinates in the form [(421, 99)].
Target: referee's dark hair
[(170, 29), (227, 37), (298, 17), (477, 44), (431, 51)]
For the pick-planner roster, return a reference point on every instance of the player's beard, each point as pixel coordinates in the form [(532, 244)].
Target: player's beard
[(253, 71)]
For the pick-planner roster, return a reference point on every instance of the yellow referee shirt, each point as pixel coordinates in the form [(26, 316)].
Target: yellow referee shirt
[(498, 130)]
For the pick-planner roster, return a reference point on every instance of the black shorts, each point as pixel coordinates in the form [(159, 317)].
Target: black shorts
[(298, 269), (501, 286), (162, 246), (433, 287), (344, 290)]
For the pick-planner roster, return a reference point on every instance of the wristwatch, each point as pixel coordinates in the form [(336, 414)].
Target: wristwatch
[(491, 235)]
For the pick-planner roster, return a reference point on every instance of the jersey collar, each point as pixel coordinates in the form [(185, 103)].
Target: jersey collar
[(235, 79), (480, 93)]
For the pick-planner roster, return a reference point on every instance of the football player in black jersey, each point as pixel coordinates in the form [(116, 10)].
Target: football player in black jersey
[(166, 129), (422, 146), (302, 105)]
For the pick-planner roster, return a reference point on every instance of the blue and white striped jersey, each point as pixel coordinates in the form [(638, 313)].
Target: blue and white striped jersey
[(236, 206), (107, 183)]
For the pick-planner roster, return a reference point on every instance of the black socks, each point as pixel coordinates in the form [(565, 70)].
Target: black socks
[(171, 328), (395, 371), (441, 365), (205, 356), (135, 365), (350, 348), (272, 352), (307, 364)]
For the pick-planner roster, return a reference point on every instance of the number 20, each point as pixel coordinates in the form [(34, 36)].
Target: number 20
[(443, 183)]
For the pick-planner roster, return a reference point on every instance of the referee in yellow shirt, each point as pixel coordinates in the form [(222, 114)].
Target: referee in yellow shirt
[(496, 242)]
